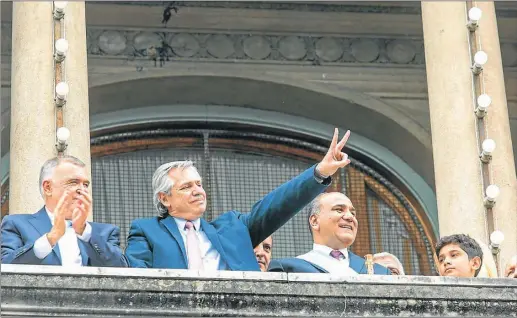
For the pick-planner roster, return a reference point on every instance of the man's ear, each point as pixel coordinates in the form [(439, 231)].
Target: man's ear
[(476, 263), (313, 221), (47, 188), (164, 199)]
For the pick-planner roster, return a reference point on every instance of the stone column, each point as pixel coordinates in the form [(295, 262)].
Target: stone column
[(32, 103), (33, 121), (502, 168), (457, 166)]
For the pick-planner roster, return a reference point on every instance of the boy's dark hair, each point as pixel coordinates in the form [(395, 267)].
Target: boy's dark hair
[(466, 243)]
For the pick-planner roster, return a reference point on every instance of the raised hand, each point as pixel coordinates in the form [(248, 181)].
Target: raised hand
[(62, 209), (334, 158), (81, 211)]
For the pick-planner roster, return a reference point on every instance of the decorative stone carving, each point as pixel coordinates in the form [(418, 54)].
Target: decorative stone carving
[(144, 40), (220, 46), (509, 54), (256, 47), (365, 50), (292, 48), (112, 42), (329, 49), (185, 45), (401, 51)]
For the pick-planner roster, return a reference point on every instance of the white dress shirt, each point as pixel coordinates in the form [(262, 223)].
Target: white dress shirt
[(68, 245), (210, 256), (320, 255)]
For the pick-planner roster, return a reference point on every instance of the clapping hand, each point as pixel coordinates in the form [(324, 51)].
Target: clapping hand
[(63, 207), (81, 211)]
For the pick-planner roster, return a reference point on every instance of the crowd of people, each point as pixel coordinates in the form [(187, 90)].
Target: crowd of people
[(179, 238)]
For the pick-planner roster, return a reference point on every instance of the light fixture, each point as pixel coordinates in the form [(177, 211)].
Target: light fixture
[(61, 49), (496, 238), (62, 136), (491, 194), (480, 59), (483, 101), (475, 14), (59, 9), (488, 147), (61, 92)]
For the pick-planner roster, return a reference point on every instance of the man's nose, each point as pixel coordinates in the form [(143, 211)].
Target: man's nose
[(348, 215), (259, 252)]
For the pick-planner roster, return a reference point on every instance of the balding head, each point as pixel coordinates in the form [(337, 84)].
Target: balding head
[(390, 261), (332, 220)]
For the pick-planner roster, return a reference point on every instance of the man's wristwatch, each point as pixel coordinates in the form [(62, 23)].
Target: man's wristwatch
[(319, 177)]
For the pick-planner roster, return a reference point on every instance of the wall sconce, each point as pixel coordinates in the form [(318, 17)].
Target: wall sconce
[(491, 194), (62, 136), (488, 147), (61, 92), (483, 102), (59, 9), (474, 14), (480, 59), (496, 238), (61, 50)]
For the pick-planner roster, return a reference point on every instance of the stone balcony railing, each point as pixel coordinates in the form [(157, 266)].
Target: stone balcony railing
[(128, 292)]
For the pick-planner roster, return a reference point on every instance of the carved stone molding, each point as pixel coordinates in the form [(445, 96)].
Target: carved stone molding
[(315, 49), (256, 47)]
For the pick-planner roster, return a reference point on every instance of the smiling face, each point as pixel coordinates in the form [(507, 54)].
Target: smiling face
[(454, 262), (263, 253), (188, 198), (336, 224)]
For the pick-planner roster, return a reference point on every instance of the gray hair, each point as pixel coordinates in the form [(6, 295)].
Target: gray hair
[(395, 258), (163, 184), (314, 208), (47, 170)]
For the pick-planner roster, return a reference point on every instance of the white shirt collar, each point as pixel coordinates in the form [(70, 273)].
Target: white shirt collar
[(51, 217), (326, 250), (181, 223)]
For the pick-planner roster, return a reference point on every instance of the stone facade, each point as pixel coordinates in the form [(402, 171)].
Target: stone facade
[(52, 290)]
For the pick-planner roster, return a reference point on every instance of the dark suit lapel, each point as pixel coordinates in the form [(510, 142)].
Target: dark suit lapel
[(172, 227), (84, 253), (321, 269), (211, 233), (357, 263), (42, 224)]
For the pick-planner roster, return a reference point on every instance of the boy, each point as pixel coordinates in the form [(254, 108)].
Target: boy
[(458, 255)]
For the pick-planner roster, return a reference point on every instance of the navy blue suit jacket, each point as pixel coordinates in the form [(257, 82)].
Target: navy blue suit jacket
[(20, 231), (157, 243), (297, 265)]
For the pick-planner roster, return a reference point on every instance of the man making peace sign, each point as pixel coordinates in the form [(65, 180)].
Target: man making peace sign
[(181, 238)]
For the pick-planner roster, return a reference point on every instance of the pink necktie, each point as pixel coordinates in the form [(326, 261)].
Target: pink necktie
[(193, 251), (336, 254)]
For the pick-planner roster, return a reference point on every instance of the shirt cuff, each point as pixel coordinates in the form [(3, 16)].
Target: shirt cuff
[(87, 233), (42, 247)]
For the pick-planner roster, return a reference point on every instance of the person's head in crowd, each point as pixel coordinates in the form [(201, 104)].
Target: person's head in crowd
[(511, 268), (458, 255), (263, 253), (332, 220), (63, 174), (390, 261), (178, 191)]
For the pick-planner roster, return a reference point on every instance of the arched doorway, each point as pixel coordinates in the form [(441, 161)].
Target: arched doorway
[(239, 165)]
